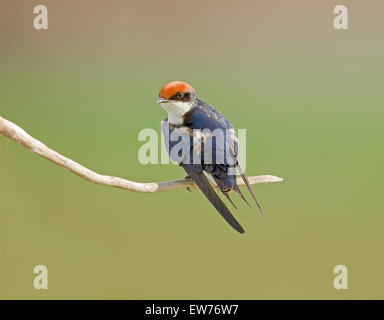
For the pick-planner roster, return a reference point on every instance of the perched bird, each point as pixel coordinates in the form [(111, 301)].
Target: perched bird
[(192, 140)]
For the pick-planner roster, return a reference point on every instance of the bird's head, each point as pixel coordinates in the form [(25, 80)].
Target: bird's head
[(177, 98)]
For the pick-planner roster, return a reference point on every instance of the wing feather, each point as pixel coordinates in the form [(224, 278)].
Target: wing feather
[(202, 182)]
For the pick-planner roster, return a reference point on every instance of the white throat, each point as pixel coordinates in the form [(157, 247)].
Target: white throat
[(176, 110)]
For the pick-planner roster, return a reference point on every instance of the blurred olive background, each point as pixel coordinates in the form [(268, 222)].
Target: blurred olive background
[(310, 97)]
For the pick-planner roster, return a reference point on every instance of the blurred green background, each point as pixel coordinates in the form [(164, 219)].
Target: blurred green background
[(310, 97)]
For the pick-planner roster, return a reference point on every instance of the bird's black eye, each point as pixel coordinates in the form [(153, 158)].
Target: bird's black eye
[(180, 95)]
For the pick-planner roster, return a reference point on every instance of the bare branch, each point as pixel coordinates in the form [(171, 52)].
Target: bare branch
[(15, 133)]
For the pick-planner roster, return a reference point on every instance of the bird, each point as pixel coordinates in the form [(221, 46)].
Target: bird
[(190, 142)]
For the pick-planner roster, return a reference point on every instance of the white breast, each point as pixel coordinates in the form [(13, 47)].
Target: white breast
[(176, 110)]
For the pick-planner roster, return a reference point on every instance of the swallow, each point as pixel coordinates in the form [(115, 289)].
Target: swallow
[(193, 140)]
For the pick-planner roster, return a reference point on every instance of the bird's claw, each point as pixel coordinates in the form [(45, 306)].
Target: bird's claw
[(187, 177)]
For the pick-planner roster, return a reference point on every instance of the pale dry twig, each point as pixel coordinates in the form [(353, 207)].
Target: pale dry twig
[(15, 133)]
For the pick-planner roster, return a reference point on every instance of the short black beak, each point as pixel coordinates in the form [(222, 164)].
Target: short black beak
[(162, 100)]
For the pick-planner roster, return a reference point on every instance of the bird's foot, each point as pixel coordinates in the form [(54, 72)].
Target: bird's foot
[(187, 177)]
